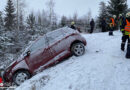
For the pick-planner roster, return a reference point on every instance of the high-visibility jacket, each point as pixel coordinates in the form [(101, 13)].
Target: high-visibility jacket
[(112, 24), (125, 32), (127, 28)]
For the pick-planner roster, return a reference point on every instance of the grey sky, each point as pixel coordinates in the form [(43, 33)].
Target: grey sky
[(64, 7)]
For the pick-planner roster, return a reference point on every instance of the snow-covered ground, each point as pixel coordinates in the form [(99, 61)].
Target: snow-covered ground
[(103, 67)]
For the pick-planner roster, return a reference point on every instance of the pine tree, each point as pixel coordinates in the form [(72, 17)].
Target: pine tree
[(21, 25), (117, 7), (10, 18), (39, 21), (102, 13), (1, 20), (31, 21)]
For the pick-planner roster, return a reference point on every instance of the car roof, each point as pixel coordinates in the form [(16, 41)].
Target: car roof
[(64, 30)]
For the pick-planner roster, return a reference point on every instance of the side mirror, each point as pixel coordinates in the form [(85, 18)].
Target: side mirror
[(28, 53)]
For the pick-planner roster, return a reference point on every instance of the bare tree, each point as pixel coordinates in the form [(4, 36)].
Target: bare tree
[(50, 5), (63, 21), (54, 21), (45, 19), (89, 16), (38, 19), (20, 6), (75, 17)]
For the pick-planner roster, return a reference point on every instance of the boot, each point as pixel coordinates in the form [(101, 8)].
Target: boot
[(128, 52), (128, 57), (110, 33)]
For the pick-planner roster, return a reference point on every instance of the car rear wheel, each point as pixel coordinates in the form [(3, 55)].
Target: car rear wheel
[(21, 76), (78, 49)]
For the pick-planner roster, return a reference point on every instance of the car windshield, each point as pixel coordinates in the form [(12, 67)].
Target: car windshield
[(36, 45), (40, 43)]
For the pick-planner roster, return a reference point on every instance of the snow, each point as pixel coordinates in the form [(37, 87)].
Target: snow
[(103, 67)]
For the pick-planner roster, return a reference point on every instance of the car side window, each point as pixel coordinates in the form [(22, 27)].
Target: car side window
[(54, 36), (40, 44)]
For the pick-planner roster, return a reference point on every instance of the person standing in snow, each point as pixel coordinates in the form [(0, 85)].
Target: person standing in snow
[(112, 24), (103, 25), (120, 19), (125, 34), (127, 29), (92, 24), (73, 25)]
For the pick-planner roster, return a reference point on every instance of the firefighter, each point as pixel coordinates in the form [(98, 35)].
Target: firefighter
[(112, 24), (125, 34), (127, 29), (73, 25)]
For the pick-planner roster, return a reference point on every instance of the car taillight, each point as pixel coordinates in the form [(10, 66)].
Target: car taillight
[(1, 82)]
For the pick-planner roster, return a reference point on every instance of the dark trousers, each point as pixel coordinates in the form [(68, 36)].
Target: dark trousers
[(128, 49), (103, 28), (91, 31), (111, 31), (124, 39)]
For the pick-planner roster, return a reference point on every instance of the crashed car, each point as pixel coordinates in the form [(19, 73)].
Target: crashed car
[(48, 50)]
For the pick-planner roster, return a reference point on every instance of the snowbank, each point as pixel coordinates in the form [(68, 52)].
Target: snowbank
[(103, 67)]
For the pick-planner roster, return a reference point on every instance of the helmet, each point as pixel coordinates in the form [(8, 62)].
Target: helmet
[(72, 23), (120, 15), (114, 16), (127, 14)]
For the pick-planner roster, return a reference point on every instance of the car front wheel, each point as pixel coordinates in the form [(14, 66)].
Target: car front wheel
[(78, 49), (21, 76)]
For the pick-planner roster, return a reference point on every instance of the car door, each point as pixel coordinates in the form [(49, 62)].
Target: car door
[(56, 43), (39, 54)]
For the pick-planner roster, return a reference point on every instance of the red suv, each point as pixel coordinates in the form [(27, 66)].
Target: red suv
[(44, 52)]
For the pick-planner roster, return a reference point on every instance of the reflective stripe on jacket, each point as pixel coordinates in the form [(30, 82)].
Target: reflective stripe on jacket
[(122, 29), (127, 27), (125, 32)]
